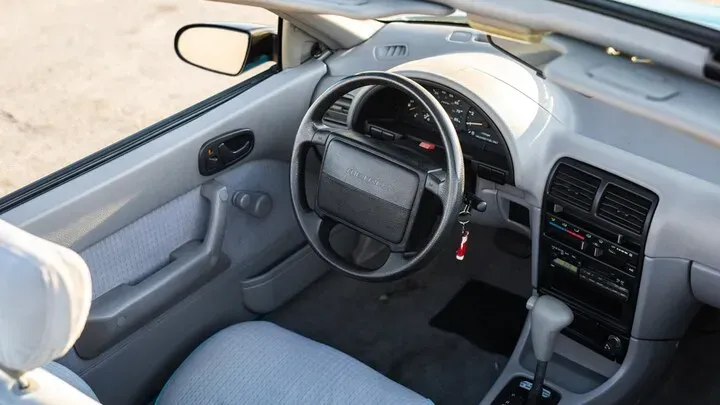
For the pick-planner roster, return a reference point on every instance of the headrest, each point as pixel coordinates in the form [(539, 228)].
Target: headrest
[(45, 294)]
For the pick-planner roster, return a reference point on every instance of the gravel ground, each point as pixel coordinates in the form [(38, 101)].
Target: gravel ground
[(78, 75)]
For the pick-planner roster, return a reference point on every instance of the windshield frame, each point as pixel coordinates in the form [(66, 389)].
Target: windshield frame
[(684, 29)]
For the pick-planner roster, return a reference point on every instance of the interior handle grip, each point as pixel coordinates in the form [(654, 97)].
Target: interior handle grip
[(126, 308), (229, 154)]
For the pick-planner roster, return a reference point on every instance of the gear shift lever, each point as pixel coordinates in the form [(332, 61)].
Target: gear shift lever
[(548, 316)]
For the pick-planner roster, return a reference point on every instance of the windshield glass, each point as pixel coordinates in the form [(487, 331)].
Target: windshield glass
[(702, 12)]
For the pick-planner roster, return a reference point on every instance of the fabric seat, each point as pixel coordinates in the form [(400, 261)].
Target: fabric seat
[(65, 374), (262, 363)]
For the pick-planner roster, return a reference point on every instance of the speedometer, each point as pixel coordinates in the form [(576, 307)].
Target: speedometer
[(453, 105), (478, 127)]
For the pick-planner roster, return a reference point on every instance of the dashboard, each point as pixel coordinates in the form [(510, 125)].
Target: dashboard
[(391, 115), (622, 205)]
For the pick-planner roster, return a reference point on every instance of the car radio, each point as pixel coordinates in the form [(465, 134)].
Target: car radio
[(593, 233)]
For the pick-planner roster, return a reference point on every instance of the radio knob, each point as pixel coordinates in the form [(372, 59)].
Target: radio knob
[(613, 346), (597, 252)]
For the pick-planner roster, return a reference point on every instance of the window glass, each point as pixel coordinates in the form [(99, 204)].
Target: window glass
[(79, 75)]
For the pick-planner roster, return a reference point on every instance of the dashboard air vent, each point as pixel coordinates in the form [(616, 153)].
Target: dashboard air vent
[(574, 186), (624, 208), (390, 52), (337, 114)]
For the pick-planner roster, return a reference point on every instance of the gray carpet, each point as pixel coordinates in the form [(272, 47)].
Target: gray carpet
[(386, 325)]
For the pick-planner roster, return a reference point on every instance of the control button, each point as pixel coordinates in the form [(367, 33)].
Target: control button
[(388, 136), (484, 172), (597, 252), (498, 176), (613, 346), (376, 132), (583, 245), (630, 268), (557, 208), (620, 238)]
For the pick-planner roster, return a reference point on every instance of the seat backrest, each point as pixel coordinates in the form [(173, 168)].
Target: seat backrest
[(45, 294)]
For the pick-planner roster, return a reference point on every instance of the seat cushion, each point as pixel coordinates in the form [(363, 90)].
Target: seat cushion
[(71, 378), (262, 363)]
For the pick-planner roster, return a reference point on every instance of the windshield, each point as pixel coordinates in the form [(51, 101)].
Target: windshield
[(702, 12)]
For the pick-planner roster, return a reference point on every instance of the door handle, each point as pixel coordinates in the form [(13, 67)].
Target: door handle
[(225, 150), (227, 154), (128, 307)]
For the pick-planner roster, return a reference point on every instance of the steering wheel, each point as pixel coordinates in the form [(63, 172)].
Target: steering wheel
[(373, 187)]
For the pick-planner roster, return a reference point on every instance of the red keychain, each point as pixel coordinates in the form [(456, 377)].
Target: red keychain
[(463, 219), (460, 252)]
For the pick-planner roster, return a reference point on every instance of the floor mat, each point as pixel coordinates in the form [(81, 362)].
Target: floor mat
[(487, 316), (386, 325)]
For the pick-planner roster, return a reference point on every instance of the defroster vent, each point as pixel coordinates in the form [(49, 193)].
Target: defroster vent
[(624, 208), (574, 186)]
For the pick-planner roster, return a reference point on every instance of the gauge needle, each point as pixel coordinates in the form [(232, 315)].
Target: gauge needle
[(481, 124), (411, 108)]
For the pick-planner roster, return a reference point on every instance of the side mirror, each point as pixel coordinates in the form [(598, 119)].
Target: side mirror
[(229, 49)]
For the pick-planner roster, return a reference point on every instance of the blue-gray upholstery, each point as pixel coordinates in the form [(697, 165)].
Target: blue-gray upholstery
[(261, 363), (71, 378)]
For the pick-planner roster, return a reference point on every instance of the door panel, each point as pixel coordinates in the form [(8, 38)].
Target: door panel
[(91, 207), (147, 242), (258, 242), (128, 216)]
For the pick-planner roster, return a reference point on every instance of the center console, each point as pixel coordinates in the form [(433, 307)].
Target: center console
[(593, 233)]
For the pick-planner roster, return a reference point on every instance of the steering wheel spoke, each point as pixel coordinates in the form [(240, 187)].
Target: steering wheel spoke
[(436, 183), (320, 134)]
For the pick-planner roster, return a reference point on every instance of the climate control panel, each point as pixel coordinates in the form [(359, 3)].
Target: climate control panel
[(593, 232)]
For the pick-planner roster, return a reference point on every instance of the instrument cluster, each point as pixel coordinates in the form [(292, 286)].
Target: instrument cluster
[(391, 115), (466, 118)]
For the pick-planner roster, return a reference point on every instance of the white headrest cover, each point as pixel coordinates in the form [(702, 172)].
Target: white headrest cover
[(45, 294)]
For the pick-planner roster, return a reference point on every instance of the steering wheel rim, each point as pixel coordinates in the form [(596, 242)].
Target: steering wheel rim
[(316, 222)]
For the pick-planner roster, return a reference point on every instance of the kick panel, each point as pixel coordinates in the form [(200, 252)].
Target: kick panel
[(593, 234)]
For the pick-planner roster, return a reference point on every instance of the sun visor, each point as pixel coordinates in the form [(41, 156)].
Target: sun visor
[(357, 9)]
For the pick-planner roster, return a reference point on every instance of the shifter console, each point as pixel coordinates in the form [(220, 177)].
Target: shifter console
[(593, 233)]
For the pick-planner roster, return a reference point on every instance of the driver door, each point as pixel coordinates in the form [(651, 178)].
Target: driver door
[(186, 225)]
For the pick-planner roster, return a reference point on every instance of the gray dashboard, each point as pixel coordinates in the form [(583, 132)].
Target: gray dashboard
[(543, 122)]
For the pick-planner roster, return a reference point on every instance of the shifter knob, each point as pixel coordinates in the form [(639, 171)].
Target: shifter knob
[(548, 316)]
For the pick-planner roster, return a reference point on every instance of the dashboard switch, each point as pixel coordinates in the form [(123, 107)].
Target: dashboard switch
[(375, 132), (597, 252), (613, 346)]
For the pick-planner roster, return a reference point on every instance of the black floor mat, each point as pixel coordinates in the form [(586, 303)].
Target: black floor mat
[(488, 317)]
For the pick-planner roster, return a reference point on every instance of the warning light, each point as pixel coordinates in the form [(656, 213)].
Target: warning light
[(427, 145)]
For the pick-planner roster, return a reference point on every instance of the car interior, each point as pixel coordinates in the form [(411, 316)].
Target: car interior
[(410, 202)]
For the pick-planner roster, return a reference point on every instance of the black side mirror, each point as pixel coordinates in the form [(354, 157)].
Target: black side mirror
[(229, 49)]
